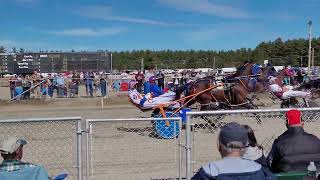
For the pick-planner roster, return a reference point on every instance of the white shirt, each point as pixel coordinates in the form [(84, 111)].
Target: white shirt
[(275, 88)]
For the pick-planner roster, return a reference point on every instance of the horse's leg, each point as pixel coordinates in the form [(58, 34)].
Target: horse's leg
[(241, 97), (206, 100)]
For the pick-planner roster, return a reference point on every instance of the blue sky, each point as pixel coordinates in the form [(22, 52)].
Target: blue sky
[(153, 24)]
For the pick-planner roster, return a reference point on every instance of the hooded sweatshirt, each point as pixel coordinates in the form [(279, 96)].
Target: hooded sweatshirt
[(230, 168), (255, 154)]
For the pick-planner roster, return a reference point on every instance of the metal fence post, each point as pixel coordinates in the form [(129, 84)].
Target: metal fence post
[(88, 130), (79, 150), (188, 148), (180, 149)]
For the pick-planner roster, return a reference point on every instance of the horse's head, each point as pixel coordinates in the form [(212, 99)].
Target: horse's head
[(244, 70)]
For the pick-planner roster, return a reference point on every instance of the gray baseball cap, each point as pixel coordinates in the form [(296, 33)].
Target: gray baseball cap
[(233, 132), (11, 145)]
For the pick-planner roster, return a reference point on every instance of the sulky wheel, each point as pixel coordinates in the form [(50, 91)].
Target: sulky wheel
[(166, 130)]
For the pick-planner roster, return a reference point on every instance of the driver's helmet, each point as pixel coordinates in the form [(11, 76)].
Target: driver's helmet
[(132, 84), (152, 79), (272, 80)]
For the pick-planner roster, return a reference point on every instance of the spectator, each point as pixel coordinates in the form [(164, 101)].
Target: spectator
[(19, 88), (60, 85), (160, 77), (27, 86), (50, 85), (55, 83), (116, 86), (12, 84), (232, 141), (12, 168), (294, 149), (76, 82), (103, 85), (44, 87), (88, 79), (254, 151)]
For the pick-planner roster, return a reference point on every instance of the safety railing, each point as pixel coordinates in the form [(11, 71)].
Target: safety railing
[(54, 143), (141, 148), (202, 130)]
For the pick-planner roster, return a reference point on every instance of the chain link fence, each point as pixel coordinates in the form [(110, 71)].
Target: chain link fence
[(133, 148), (267, 125), (52, 142)]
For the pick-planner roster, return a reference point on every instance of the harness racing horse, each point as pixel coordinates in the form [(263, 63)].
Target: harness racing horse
[(234, 97), (249, 76)]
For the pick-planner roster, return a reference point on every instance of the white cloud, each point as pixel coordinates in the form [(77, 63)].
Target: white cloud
[(206, 7), (105, 13), (222, 30), (89, 32), (5, 42)]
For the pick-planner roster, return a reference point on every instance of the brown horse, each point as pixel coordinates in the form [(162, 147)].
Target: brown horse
[(249, 80), (233, 97)]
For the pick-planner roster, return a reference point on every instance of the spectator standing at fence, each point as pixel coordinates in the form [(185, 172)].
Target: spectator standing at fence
[(27, 87), (103, 85), (18, 88), (55, 83), (88, 80), (232, 142), (60, 85), (50, 85), (254, 151), (12, 86), (294, 149), (76, 82), (12, 168)]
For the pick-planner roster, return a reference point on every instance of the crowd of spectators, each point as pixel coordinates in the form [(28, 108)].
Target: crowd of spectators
[(242, 157), (65, 85)]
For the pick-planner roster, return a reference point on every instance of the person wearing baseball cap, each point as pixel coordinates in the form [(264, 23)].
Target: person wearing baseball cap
[(232, 143), (12, 168), (294, 149)]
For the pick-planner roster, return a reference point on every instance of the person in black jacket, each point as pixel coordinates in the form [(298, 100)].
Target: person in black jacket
[(293, 150), (232, 142), (254, 151)]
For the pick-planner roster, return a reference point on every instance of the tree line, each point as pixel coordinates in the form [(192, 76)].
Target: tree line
[(290, 52)]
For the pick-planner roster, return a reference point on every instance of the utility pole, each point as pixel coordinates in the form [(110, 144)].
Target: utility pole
[(111, 63), (142, 65), (309, 54), (214, 62), (312, 58), (301, 62)]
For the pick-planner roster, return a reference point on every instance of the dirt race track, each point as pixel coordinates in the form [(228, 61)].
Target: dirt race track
[(118, 150)]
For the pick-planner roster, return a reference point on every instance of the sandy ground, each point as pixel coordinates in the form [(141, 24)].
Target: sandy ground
[(121, 150)]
